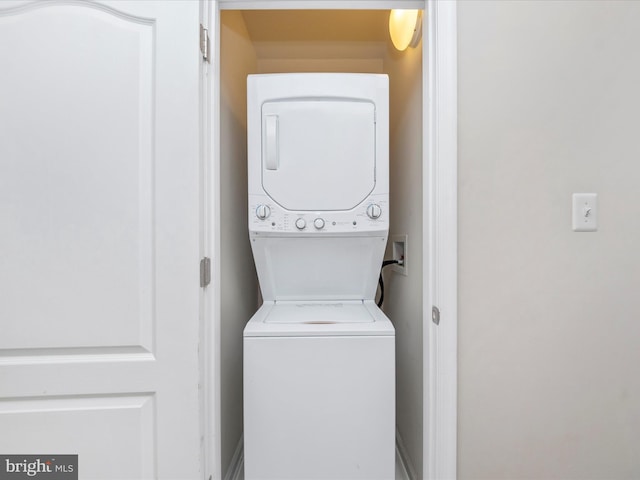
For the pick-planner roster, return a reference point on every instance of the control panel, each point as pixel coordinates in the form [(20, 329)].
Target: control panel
[(267, 216)]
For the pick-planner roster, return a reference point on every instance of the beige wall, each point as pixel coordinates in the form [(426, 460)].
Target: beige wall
[(238, 285), (549, 319)]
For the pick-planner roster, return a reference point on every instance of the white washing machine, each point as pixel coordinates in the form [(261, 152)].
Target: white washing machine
[(319, 355)]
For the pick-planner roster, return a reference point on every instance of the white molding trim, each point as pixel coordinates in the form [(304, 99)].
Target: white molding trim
[(440, 210), (210, 348), (318, 4), (236, 467)]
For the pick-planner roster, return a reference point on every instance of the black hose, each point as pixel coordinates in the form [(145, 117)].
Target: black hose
[(381, 281)]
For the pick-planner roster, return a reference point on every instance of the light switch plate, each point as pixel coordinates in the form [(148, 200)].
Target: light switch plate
[(585, 212)]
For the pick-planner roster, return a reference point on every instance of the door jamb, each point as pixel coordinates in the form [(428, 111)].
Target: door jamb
[(440, 224), (209, 345), (439, 229)]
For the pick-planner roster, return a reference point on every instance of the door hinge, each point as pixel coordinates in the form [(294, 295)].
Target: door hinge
[(204, 43), (205, 272), (435, 315)]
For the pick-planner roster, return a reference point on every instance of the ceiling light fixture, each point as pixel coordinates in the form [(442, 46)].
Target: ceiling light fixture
[(405, 28)]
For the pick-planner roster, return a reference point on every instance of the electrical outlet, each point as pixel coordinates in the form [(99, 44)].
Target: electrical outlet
[(585, 212), (399, 249)]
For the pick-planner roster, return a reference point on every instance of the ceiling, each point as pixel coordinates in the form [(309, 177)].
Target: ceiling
[(317, 25)]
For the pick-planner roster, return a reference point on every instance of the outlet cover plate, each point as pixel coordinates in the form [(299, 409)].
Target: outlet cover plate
[(399, 249)]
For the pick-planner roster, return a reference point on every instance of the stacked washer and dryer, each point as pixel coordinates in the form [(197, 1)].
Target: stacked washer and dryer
[(319, 355)]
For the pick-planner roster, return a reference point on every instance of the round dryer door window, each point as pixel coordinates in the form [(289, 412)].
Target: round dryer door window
[(318, 154)]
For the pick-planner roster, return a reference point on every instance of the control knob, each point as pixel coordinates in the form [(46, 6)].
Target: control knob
[(263, 212), (301, 224), (318, 223), (374, 211)]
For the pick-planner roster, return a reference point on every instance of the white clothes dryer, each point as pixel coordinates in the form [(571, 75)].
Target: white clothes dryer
[(319, 355)]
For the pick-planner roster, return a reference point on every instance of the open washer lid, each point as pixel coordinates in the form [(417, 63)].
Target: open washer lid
[(318, 267)]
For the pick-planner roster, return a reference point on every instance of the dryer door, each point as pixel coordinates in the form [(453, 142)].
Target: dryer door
[(318, 154)]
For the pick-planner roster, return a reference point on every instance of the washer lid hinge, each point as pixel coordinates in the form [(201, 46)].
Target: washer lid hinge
[(205, 272)]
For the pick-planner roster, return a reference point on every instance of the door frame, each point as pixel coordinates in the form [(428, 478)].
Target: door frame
[(439, 224)]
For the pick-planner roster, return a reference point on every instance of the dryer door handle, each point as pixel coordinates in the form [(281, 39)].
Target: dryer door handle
[(270, 152)]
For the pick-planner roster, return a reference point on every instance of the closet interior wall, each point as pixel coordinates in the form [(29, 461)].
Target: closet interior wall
[(278, 41), (238, 280)]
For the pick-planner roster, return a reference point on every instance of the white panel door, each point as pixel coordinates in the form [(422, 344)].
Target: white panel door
[(99, 235)]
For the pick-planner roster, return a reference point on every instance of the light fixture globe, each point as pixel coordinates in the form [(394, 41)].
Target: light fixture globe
[(405, 28)]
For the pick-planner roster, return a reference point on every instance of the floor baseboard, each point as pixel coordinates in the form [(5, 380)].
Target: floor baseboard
[(236, 467), (403, 461)]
